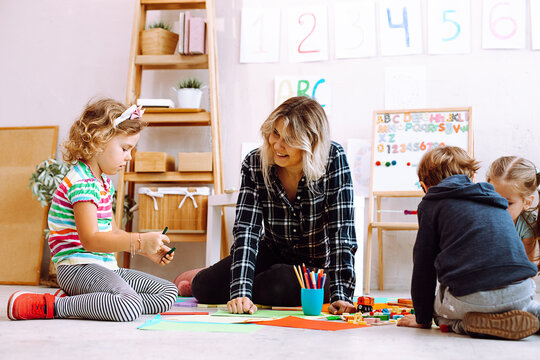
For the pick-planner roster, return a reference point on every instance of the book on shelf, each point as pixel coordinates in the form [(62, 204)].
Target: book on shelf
[(181, 29), (191, 34), (185, 39), (158, 103), (196, 36)]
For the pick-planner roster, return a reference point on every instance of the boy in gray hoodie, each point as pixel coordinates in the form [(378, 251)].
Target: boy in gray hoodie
[(468, 242)]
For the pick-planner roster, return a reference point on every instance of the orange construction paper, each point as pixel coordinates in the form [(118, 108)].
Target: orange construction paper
[(296, 322)]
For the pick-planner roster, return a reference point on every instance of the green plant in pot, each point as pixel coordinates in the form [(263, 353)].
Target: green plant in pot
[(158, 39), (189, 92)]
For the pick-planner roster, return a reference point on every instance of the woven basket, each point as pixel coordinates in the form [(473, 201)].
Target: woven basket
[(158, 42)]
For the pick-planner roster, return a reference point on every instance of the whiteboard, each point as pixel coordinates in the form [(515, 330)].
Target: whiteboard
[(401, 138)]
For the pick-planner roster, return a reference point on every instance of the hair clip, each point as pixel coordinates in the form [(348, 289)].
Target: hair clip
[(133, 112), (537, 171)]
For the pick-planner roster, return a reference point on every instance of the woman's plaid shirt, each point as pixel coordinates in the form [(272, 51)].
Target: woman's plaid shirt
[(317, 228)]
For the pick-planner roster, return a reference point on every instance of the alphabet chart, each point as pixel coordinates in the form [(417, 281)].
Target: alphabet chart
[(315, 87), (397, 25), (401, 137)]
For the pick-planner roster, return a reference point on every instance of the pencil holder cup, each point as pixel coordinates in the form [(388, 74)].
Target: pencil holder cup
[(312, 301)]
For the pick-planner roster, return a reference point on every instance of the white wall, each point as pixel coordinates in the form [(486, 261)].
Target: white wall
[(57, 54)]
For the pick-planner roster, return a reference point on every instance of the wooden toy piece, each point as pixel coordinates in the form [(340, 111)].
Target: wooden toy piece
[(407, 302), (371, 321)]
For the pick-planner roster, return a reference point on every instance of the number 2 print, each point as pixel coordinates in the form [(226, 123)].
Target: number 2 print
[(307, 34)]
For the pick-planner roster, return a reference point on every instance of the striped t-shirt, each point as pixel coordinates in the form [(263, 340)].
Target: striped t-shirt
[(79, 185)]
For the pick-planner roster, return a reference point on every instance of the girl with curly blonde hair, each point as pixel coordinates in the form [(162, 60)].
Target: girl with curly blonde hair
[(83, 234)]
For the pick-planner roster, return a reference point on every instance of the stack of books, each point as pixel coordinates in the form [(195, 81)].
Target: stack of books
[(192, 35)]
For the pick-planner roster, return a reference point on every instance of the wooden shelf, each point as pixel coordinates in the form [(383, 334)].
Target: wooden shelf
[(170, 176), (394, 225), (175, 117), (168, 117), (171, 62), (399, 194), (173, 5), (186, 237)]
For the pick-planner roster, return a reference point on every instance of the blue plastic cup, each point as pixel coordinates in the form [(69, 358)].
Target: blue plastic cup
[(312, 301)]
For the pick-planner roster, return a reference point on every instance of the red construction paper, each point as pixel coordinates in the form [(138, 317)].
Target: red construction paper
[(296, 322)]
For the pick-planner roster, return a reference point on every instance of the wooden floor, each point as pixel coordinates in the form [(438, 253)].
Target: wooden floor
[(84, 339)]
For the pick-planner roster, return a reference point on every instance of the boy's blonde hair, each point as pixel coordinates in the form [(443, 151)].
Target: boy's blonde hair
[(522, 175), (305, 127), (439, 163), (95, 128)]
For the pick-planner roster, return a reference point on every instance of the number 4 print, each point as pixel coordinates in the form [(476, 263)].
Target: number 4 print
[(400, 27), (404, 25)]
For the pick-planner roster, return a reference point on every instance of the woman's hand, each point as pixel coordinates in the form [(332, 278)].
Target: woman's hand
[(410, 321), (241, 305), (161, 256), (152, 242), (340, 307)]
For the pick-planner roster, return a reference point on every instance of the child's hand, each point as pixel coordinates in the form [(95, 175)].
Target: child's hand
[(161, 256), (152, 242), (410, 321)]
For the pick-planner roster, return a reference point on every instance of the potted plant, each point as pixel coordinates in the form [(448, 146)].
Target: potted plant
[(158, 39), (189, 93)]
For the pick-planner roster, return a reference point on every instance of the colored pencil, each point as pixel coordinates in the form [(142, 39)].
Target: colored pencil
[(298, 277), (307, 281)]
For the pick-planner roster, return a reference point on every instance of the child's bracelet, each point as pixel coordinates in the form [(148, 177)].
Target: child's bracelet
[(131, 246), (140, 243)]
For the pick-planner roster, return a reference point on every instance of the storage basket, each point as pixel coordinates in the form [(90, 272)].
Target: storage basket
[(182, 209), (158, 42)]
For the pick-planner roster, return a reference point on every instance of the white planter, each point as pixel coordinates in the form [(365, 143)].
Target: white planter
[(189, 98)]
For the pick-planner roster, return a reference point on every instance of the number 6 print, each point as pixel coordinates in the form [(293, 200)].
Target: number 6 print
[(504, 24)]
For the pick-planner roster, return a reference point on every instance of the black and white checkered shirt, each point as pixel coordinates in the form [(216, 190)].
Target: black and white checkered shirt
[(316, 229)]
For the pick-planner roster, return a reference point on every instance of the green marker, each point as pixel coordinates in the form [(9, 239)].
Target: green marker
[(174, 248)]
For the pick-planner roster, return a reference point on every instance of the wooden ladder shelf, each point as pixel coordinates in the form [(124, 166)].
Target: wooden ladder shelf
[(155, 117)]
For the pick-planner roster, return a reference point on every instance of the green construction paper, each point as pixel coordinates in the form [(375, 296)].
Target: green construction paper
[(269, 314), (158, 323)]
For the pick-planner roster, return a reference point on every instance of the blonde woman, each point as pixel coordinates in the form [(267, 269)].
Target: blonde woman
[(295, 206)]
